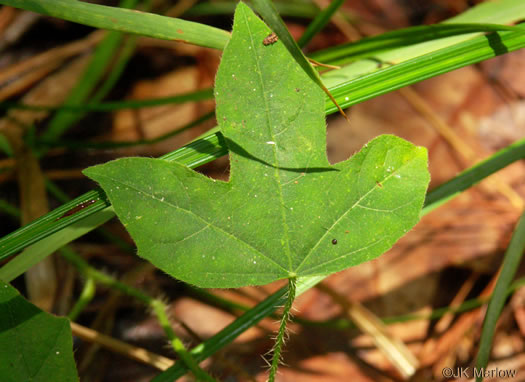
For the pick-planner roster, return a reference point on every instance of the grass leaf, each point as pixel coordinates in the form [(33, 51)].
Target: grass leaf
[(510, 265), (126, 20)]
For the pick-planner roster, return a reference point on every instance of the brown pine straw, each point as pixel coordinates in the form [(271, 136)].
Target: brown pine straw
[(7, 14), (29, 71), (495, 181), (444, 322), (445, 347), (26, 81), (139, 354), (392, 347)]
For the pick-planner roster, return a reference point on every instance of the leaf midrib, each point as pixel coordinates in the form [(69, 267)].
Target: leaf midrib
[(274, 148)]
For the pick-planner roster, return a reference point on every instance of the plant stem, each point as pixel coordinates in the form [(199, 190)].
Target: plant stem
[(160, 311), (158, 307), (282, 329), (88, 292)]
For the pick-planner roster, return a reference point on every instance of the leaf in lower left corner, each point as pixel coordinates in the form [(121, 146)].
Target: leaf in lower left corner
[(34, 345)]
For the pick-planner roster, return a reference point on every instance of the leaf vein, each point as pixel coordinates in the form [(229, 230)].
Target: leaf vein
[(229, 234), (346, 213)]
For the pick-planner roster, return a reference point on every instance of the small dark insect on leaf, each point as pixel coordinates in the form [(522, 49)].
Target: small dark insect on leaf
[(334, 241), (270, 39), (75, 209)]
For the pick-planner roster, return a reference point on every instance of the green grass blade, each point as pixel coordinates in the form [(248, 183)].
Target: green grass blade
[(62, 120), (270, 15), (473, 175), (102, 57), (319, 22), (49, 244), (510, 265), (117, 69), (301, 9), (364, 80), (501, 12), (5, 147), (83, 145), (125, 20), (9, 209), (371, 46), (198, 95)]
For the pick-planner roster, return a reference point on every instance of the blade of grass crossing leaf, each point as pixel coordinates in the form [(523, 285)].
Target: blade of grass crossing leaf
[(126, 20), (212, 147), (269, 14), (511, 261), (319, 22), (61, 196), (49, 244), (194, 154)]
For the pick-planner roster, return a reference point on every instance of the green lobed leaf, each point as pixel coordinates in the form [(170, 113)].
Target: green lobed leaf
[(286, 211), (34, 345)]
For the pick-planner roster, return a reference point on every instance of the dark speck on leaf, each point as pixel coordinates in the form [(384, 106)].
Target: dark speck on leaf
[(334, 241)]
